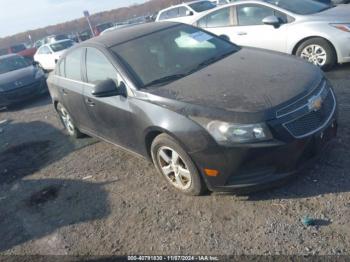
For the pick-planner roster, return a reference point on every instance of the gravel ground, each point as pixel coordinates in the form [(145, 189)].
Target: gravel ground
[(86, 197)]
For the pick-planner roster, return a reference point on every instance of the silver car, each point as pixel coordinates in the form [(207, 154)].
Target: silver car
[(314, 31)]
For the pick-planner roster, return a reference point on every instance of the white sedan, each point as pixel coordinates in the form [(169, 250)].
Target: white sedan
[(48, 55), (314, 31)]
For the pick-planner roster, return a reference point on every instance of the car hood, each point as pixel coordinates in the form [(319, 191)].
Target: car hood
[(18, 78), (340, 13), (249, 81)]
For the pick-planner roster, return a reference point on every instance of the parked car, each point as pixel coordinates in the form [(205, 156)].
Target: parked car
[(101, 27), (21, 50), (19, 80), (48, 55), (184, 12), (335, 2), (314, 31), (55, 38), (208, 113)]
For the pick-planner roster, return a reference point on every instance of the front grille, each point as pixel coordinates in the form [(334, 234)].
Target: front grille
[(314, 119), (301, 102)]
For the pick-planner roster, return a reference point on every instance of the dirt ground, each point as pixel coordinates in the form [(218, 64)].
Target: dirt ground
[(86, 197)]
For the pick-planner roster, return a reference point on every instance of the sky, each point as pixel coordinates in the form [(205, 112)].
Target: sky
[(21, 15)]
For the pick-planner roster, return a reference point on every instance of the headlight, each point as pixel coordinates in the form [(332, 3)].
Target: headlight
[(343, 27), (39, 74), (227, 133)]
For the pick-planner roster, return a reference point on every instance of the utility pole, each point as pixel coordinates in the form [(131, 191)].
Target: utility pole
[(87, 16)]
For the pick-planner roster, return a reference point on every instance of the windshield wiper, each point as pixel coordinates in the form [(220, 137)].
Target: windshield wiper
[(165, 79), (211, 61)]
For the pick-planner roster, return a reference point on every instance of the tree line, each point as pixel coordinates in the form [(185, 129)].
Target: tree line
[(78, 25)]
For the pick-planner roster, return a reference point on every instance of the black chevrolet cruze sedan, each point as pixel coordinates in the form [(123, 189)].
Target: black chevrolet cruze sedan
[(209, 114), (19, 80)]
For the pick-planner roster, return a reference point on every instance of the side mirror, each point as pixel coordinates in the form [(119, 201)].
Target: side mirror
[(35, 63), (272, 20), (108, 88), (225, 37), (189, 13)]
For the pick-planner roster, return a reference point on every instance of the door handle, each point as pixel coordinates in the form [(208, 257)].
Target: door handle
[(242, 33), (90, 102), (64, 92)]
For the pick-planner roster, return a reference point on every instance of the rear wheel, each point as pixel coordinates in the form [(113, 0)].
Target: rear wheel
[(67, 122), (174, 164), (319, 52)]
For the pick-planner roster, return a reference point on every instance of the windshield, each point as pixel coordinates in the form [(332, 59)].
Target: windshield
[(300, 7), (12, 63), (202, 6), (167, 55), (56, 47)]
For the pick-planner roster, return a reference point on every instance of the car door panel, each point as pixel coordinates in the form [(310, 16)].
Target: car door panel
[(250, 31)]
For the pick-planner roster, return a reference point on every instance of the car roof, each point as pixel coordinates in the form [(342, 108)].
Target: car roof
[(126, 34)]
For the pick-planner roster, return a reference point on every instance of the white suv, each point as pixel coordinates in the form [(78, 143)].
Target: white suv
[(184, 12)]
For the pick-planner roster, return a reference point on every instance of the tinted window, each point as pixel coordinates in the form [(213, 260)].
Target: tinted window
[(73, 65), (176, 51), (17, 48), (56, 47), (219, 18), (202, 6), (61, 67), (98, 68), (12, 63), (301, 7), (253, 14)]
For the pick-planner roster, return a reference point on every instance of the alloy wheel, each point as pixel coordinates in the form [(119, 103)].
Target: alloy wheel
[(174, 168), (67, 120), (315, 54)]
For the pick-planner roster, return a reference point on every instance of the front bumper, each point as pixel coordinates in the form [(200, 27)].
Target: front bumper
[(17, 95), (259, 166)]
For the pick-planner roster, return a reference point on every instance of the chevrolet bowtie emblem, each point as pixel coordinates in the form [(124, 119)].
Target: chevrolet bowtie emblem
[(315, 103)]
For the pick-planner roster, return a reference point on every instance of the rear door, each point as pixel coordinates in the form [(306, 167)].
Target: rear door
[(110, 116), (70, 85)]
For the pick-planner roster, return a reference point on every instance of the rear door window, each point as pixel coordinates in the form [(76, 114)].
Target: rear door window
[(220, 18), (73, 65)]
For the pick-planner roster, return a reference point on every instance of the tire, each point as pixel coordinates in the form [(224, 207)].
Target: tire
[(188, 180), (312, 50), (67, 122)]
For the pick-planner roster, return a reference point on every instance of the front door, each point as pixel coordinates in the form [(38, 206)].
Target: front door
[(250, 30), (110, 116)]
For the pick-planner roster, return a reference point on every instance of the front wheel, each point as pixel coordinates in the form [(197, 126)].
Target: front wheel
[(174, 164), (319, 52), (67, 122)]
